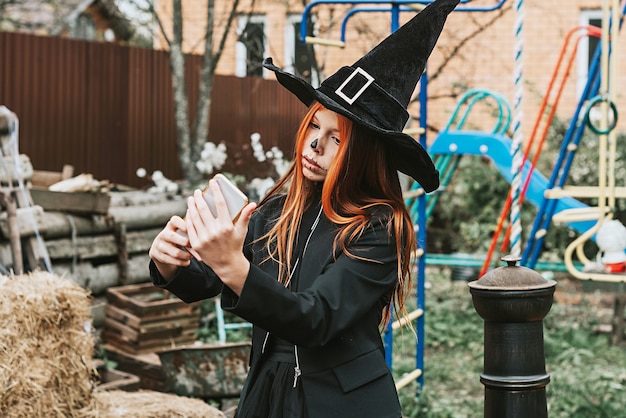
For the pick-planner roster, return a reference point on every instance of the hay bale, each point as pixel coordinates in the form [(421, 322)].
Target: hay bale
[(46, 348), (150, 404), (46, 358)]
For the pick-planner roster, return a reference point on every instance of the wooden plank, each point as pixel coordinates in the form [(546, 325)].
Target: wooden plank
[(137, 322), (115, 380), (44, 178), (147, 366), (72, 202), (36, 253), (164, 332), (143, 299), (145, 347), (34, 248)]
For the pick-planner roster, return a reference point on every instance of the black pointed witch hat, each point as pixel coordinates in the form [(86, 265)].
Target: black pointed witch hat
[(375, 91)]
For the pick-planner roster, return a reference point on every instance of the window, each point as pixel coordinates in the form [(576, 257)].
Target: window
[(84, 27), (299, 57), (587, 48), (251, 45)]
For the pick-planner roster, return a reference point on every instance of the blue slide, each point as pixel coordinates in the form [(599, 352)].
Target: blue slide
[(497, 147)]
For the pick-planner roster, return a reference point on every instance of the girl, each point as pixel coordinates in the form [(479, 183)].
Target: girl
[(317, 265)]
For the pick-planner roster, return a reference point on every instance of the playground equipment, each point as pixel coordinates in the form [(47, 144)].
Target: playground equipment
[(546, 119), (556, 202), (606, 190), (394, 7), (451, 145)]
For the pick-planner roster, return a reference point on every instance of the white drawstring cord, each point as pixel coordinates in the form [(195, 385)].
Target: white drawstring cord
[(297, 371)]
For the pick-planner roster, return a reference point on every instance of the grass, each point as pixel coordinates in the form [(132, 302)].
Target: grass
[(588, 374)]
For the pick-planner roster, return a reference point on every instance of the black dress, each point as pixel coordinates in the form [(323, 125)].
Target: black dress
[(272, 389)]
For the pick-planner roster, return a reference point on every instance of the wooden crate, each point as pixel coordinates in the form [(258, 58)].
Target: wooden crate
[(145, 366), (115, 379), (142, 318)]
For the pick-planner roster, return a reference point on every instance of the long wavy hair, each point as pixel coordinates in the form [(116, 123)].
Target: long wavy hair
[(350, 194)]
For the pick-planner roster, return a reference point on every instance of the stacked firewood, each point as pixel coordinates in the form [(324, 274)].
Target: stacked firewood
[(78, 227)]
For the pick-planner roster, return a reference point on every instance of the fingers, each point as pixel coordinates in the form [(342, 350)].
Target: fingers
[(200, 219), (211, 202), (167, 247), (244, 217), (173, 256), (213, 237), (179, 227)]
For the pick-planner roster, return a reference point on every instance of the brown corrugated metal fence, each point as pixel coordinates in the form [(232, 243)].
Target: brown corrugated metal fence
[(107, 109)]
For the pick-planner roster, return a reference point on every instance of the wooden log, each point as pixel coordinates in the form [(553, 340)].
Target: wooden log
[(100, 246), (27, 219), (60, 224), (98, 278), (142, 217)]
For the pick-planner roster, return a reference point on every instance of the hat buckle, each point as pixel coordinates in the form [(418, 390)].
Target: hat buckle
[(350, 100)]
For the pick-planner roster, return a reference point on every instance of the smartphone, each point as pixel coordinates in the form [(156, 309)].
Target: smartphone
[(235, 199)]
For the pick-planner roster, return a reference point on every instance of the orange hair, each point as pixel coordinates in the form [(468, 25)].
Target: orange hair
[(350, 194)]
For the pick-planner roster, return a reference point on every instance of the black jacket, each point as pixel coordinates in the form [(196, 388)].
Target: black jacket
[(332, 314)]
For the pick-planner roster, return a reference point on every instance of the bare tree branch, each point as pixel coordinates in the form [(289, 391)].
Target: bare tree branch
[(155, 15), (455, 53), (480, 28)]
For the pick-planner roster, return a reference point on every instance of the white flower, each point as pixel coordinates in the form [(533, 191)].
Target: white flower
[(278, 154), (212, 157), (261, 186)]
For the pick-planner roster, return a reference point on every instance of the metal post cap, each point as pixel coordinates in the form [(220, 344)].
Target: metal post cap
[(512, 277)]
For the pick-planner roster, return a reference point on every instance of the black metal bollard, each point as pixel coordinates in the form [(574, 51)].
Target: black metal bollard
[(513, 301)]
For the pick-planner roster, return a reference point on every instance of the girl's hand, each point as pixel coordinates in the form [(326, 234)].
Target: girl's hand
[(216, 240), (167, 250)]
